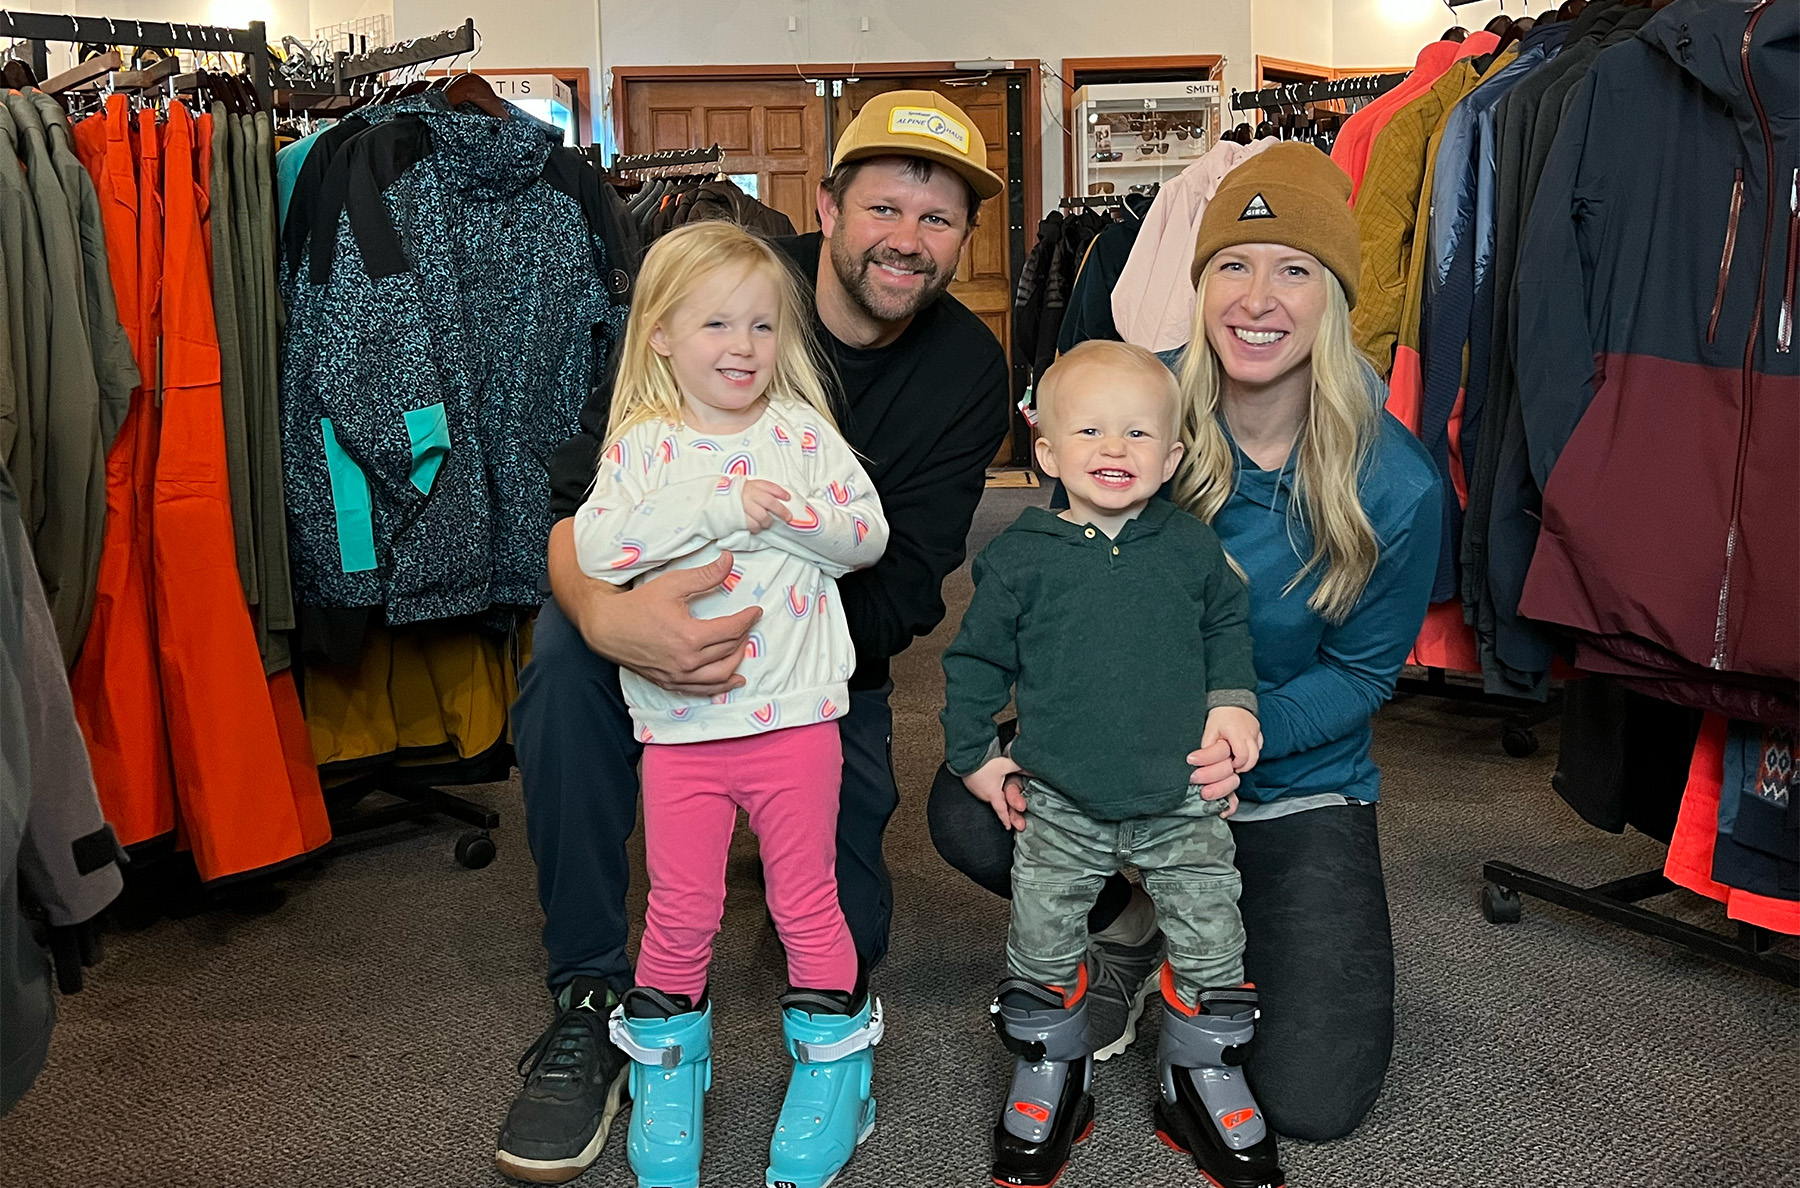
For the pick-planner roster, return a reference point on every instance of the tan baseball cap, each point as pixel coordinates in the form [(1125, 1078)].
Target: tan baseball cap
[(919, 124)]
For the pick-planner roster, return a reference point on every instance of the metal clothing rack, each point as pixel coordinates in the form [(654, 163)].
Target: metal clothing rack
[(1617, 903), (1301, 94), (251, 41), (669, 160), (451, 43), (1518, 733)]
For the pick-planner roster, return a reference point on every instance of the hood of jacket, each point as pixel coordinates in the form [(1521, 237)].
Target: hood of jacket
[(483, 157), (1712, 40)]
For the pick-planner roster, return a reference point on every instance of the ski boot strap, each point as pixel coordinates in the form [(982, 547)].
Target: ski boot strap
[(1205, 1041), (666, 1056), (866, 1036), (1053, 1033)]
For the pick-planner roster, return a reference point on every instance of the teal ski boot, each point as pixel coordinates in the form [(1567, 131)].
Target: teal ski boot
[(828, 1110), (670, 1045)]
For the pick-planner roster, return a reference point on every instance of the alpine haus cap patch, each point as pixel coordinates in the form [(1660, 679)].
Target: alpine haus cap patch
[(1258, 209), (927, 121)]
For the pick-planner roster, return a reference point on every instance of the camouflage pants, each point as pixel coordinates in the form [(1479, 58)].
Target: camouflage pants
[(1185, 858)]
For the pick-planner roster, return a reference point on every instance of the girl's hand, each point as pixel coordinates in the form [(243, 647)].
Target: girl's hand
[(764, 503), (1214, 776), (996, 783)]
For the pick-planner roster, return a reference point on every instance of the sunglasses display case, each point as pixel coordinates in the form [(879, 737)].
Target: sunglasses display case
[(1133, 134)]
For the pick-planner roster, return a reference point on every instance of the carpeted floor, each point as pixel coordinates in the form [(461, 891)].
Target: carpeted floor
[(365, 1032)]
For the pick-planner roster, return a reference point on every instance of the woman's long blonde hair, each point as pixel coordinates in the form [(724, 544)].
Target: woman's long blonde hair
[(1334, 445), (644, 387)]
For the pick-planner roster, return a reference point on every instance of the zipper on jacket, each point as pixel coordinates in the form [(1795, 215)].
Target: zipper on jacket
[(1720, 627), (1731, 230), (1784, 331)]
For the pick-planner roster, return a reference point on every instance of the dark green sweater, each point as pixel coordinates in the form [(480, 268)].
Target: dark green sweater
[(1119, 648)]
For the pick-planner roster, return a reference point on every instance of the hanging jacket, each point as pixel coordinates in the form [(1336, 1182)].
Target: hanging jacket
[(450, 320), (721, 199), (114, 368), (1153, 303), (1661, 386), (1028, 298), (1387, 211), (1461, 246), (66, 539), (1356, 138), (1090, 312), (1514, 652), (27, 1005)]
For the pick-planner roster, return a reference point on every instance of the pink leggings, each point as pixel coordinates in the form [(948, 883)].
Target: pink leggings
[(788, 782)]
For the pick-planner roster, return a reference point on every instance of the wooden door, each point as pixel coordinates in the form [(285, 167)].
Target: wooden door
[(770, 130)]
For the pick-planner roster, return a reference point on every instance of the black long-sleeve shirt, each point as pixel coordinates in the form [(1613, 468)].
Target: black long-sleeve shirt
[(927, 414)]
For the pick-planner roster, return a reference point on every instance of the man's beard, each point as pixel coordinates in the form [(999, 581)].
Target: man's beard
[(884, 306)]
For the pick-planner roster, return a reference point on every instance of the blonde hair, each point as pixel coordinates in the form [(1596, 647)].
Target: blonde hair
[(1335, 441), (644, 388), (1100, 352)]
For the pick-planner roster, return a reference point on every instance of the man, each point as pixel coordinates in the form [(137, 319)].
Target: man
[(923, 388)]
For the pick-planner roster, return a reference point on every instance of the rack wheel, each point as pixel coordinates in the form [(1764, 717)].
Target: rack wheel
[(475, 850), (1500, 904), (1521, 742)]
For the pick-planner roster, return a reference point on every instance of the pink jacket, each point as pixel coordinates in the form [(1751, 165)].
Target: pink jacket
[(1153, 301)]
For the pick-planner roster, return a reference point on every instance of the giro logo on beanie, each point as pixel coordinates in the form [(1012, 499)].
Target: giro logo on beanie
[(1258, 209)]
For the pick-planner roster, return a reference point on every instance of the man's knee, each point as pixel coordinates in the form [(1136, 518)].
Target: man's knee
[(1318, 1083), (967, 834)]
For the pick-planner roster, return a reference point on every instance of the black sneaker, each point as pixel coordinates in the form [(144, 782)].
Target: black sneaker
[(575, 1082)]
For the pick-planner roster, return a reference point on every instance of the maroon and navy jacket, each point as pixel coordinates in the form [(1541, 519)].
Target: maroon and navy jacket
[(1658, 371)]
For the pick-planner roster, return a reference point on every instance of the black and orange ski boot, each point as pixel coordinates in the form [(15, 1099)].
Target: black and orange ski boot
[(1205, 1107), (1048, 1106)]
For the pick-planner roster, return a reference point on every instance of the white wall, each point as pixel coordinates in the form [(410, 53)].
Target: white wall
[(1298, 30), (1392, 32)]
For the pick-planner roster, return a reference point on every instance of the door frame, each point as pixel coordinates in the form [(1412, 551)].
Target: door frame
[(1157, 68), (1028, 70)]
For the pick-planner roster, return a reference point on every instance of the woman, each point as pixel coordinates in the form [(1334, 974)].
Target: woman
[(1331, 508)]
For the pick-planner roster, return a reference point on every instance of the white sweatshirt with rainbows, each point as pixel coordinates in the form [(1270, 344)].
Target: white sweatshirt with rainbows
[(667, 497)]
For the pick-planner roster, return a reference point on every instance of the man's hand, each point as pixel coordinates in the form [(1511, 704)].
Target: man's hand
[(1239, 728), (1214, 776), (764, 503), (649, 629), (996, 783)]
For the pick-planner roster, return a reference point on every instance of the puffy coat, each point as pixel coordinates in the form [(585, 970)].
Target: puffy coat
[(1657, 370)]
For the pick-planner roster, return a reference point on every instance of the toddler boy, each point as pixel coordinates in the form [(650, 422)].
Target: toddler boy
[(1124, 630)]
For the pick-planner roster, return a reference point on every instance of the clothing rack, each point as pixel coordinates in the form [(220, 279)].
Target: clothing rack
[(451, 43), (1518, 733), (1617, 903), (1099, 201), (671, 159), (252, 41), (1301, 94)]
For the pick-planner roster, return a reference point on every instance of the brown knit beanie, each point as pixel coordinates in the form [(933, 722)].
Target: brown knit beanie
[(1291, 194)]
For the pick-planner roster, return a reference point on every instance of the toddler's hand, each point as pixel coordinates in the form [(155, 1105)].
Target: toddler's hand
[(764, 503), (1240, 730), (996, 784)]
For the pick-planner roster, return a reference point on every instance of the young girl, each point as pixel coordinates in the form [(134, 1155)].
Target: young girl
[(721, 438)]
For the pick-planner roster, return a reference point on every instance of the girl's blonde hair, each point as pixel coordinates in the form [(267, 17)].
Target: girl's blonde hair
[(644, 387), (1335, 441)]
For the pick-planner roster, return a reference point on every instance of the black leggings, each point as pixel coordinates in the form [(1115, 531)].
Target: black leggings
[(1317, 947)]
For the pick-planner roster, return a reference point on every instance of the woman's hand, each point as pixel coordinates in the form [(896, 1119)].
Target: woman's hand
[(1214, 775), (996, 783), (764, 503)]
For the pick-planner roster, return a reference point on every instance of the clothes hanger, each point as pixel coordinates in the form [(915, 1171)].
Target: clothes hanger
[(469, 87)]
